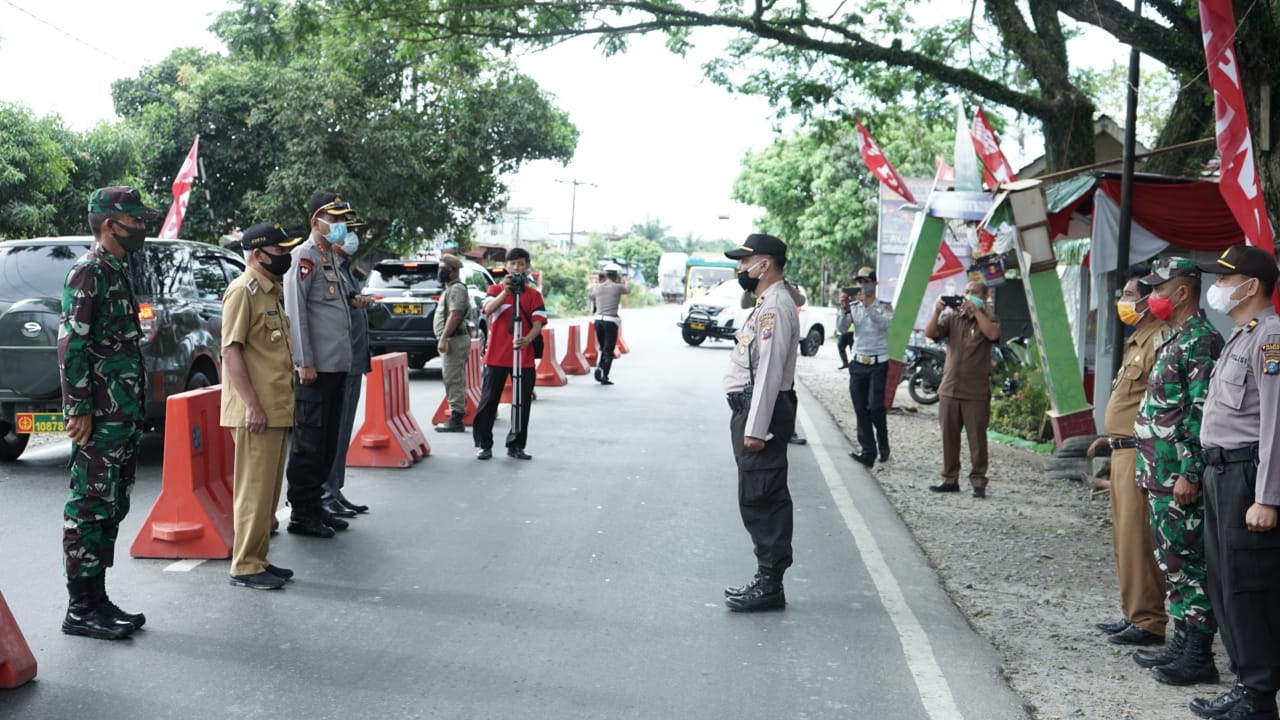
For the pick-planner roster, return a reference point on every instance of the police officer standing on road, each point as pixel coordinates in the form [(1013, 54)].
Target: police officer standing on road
[(606, 297), (453, 340), (335, 502), (869, 371), (257, 398), (1241, 440), (759, 387), (104, 403), (315, 296), (1170, 462)]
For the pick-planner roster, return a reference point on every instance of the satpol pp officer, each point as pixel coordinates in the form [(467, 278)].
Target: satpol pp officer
[(759, 387)]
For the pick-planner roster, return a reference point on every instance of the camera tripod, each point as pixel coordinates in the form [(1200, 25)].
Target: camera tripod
[(517, 372)]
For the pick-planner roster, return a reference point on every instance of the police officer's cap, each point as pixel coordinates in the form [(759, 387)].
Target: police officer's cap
[(266, 234), (1245, 260), (758, 244)]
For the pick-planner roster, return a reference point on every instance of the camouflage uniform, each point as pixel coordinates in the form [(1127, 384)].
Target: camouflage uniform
[(1168, 430), (103, 376)]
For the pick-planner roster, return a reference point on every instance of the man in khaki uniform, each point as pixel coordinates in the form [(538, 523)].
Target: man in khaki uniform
[(759, 386), (1140, 579), (453, 340), (257, 398)]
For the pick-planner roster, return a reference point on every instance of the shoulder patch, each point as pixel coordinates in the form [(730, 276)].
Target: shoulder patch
[(1270, 357), (305, 266), (767, 321)]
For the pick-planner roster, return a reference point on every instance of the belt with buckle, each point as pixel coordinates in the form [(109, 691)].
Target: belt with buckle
[(1122, 443), (1221, 456), (739, 401), (867, 359), (610, 319)]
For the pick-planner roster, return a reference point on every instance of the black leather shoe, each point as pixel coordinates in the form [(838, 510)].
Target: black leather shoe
[(337, 509), (1219, 706), (884, 457), (867, 459), (979, 493), (518, 453), (113, 611), (1252, 705), (1113, 627), (333, 522), (766, 595), (282, 573), (606, 381), (353, 507), (310, 527), (945, 487), (740, 590), (599, 375), (798, 439), (258, 581), (1134, 635), (484, 454)]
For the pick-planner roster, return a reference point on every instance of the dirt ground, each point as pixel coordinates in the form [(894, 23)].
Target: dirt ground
[(1030, 566)]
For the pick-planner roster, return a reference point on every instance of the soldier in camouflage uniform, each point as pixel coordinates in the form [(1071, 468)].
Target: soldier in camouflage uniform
[(103, 400), (1170, 462)]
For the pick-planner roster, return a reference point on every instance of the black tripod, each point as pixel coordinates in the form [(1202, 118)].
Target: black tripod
[(517, 373)]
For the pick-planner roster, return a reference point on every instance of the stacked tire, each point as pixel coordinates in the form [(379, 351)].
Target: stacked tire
[(1072, 461)]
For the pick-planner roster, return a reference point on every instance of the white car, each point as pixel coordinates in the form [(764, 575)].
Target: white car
[(719, 315)]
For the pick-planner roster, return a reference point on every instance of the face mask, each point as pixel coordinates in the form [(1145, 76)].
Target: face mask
[(747, 282), (443, 275), (976, 301), (337, 232), (277, 265), (132, 239), (1161, 307), (1220, 298), (1128, 312), (350, 243)]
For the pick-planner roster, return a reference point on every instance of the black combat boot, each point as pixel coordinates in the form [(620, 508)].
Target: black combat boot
[(85, 614), (1253, 705), (766, 595), (453, 424), (1168, 653), (1194, 666), (111, 610), (1217, 707), (740, 590)]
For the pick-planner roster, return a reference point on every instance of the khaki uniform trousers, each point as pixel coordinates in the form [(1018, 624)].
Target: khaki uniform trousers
[(259, 471), (970, 417), (454, 365), (1140, 579)]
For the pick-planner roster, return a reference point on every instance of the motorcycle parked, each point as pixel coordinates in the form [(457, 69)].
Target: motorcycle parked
[(924, 369)]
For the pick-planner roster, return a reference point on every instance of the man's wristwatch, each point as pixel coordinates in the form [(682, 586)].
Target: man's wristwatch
[(1192, 478)]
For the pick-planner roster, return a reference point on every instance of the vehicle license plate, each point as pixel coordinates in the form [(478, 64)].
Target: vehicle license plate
[(406, 309), (697, 326), (29, 423)]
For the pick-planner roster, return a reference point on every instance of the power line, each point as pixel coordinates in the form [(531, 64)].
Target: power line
[(41, 20)]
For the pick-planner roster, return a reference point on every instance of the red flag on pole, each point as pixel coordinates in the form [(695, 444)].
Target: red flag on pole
[(181, 191), (879, 165), (995, 166), (947, 263), (1238, 175)]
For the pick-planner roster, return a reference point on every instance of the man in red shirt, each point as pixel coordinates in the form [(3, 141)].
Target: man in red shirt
[(516, 316)]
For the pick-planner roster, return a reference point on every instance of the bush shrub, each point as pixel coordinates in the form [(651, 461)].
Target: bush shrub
[(1022, 415)]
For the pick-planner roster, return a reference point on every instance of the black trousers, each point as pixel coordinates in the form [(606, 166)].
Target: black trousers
[(607, 337), (1244, 576), (317, 420), (866, 390), (763, 498), (494, 379), (843, 345)]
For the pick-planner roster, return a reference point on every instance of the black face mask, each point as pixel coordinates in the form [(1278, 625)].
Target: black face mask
[(277, 265), (443, 276), (747, 282), (132, 238)]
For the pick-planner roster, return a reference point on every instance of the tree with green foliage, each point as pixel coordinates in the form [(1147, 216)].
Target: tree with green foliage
[(34, 168), (636, 248)]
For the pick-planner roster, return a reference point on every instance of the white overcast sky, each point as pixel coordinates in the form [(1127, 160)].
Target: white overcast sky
[(656, 139)]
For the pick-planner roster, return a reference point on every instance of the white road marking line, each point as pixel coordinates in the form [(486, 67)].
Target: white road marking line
[(936, 696), (183, 565)]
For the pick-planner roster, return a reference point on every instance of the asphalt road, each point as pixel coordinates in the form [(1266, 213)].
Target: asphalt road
[(584, 584)]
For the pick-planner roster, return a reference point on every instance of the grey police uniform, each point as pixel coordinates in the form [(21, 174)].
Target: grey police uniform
[(607, 296), (361, 363), (315, 297), (759, 386), (1240, 437), (868, 373)]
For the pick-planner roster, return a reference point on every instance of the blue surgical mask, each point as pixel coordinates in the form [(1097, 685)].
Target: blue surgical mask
[(350, 243), (337, 233), (977, 301)]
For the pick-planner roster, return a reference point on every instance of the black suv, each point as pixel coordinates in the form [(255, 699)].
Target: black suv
[(405, 294), (179, 285)]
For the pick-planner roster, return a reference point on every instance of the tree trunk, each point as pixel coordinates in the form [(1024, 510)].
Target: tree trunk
[(1190, 119), (1068, 131)]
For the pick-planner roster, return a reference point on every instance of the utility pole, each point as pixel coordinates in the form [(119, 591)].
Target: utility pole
[(573, 203)]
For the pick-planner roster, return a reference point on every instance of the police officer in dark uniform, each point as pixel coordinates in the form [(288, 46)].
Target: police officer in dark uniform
[(1241, 440), (759, 386)]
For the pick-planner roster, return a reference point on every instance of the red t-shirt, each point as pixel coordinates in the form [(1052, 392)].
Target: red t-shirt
[(499, 352)]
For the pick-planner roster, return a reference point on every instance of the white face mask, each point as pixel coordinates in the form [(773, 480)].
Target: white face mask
[(1220, 299)]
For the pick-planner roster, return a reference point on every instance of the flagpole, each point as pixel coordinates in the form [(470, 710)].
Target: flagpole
[(1126, 200), (208, 199)]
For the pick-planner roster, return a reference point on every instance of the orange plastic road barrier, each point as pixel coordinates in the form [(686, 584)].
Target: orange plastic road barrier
[(389, 436), (473, 385), (17, 664), (621, 348), (549, 371), (192, 518), (574, 362), (592, 353)]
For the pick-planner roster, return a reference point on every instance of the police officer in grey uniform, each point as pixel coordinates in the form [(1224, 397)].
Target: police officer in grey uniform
[(316, 299), (1240, 436), (759, 386), (869, 369), (335, 502)]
